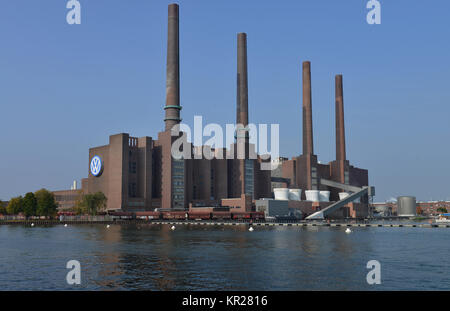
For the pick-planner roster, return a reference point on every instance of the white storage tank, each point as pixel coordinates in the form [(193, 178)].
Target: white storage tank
[(406, 206), (343, 195), (295, 194), (281, 193), (312, 195), (324, 196)]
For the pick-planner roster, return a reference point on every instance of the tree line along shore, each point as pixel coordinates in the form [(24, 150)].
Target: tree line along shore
[(42, 203)]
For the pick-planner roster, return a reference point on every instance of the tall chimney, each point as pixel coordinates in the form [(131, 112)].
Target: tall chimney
[(340, 129), (308, 146), (173, 107), (242, 80)]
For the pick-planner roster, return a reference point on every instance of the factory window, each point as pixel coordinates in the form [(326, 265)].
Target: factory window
[(248, 177), (132, 167), (346, 178), (212, 183), (68, 197), (178, 183), (132, 190)]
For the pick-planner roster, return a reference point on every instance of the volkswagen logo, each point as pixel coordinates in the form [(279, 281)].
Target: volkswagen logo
[(96, 166)]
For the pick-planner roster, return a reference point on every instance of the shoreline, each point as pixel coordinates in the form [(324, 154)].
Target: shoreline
[(222, 223)]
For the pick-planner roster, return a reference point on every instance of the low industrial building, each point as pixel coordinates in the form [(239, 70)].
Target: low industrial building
[(277, 209), (67, 199)]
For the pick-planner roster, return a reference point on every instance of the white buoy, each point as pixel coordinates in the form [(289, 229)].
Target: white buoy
[(250, 229), (348, 230), (172, 228), (32, 224), (107, 226), (65, 225)]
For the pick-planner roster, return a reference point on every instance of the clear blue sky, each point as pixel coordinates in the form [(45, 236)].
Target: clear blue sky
[(66, 88)]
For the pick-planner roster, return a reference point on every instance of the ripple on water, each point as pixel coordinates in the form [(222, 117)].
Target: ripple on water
[(153, 257)]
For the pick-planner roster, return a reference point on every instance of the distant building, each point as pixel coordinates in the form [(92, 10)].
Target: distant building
[(426, 208), (382, 209), (431, 207), (67, 199)]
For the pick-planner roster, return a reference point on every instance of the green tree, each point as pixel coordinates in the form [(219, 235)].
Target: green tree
[(2, 207), (92, 203), (442, 210), (79, 209), (46, 204), (15, 206), (29, 204)]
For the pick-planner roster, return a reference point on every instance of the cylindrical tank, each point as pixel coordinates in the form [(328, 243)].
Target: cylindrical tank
[(324, 196), (406, 206), (312, 195), (281, 193), (295, 194), (343, 195)]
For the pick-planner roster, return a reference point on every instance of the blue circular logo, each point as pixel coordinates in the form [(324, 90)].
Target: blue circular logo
[(96, 166)]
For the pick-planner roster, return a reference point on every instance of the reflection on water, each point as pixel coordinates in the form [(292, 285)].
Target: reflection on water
[(153, 257)]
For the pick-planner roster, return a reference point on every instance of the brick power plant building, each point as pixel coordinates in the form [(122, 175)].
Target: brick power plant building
[(140, 174)]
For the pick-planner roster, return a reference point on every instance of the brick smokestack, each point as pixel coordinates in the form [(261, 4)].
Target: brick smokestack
[(173, 107), (242, 80), (308, 146), (340, 129)]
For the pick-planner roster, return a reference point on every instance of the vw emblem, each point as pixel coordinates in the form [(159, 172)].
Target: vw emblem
[(96, 166)]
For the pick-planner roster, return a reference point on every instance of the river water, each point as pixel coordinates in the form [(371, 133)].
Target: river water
[(193, 257)]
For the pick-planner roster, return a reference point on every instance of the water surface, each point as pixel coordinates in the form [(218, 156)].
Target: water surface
[(152, 257)]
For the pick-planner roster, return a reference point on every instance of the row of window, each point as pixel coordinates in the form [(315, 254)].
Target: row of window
[(178, 183), (249, 177), (132, 192), (132, 167), (68, 197)]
